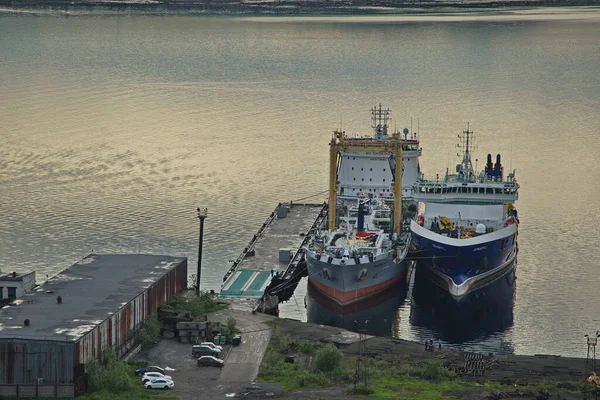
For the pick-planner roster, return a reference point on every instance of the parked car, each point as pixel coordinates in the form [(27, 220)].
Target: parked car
[(150, 376), (151, 368), (199, 350), (160, 384), (210, 361), (212, 345)]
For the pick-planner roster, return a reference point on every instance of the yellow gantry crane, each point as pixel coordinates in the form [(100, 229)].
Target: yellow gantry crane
[(339, 143)]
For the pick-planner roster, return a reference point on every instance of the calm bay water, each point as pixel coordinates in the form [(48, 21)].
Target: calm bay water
[(115, 128)]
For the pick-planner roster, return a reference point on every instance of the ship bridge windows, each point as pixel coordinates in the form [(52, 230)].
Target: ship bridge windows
[(489, 190)]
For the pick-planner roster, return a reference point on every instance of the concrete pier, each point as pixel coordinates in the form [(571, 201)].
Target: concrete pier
[(269, 253)]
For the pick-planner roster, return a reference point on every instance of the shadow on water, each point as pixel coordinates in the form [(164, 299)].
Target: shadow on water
[(480, 322), (376, 315)]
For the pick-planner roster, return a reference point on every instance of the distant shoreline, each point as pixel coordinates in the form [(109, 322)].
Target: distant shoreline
[(280, 7)]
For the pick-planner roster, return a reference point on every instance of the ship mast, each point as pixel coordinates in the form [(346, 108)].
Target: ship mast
[(466, 167), (380, 122)]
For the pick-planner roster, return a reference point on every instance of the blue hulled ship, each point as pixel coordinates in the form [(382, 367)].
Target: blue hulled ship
[(466, 236)]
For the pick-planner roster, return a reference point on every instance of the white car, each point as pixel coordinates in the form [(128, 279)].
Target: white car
[(160, 383), (150, 376), (211, 344)]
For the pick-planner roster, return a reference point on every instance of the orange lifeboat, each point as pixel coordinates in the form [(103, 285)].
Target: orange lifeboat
[(420, 220)]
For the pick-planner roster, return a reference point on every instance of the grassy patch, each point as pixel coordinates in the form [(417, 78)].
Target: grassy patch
[(113, 379), (427, 381), (295, 375), (197, 305)]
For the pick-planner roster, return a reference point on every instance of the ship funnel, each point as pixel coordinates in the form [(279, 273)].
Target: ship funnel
[(498, 166), (360, 217), (490, 166)]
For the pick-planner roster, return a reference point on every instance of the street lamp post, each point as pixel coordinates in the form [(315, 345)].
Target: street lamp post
[(201, 215)]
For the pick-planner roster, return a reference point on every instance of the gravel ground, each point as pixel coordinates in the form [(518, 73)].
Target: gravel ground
[(241, 362)]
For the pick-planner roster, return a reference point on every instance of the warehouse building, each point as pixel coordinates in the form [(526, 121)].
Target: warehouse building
[(101, 302)]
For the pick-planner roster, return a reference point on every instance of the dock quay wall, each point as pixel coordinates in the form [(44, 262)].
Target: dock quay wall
[(282, 287), (250, 247)]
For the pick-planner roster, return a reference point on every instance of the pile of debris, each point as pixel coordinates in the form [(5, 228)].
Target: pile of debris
[(180, 324)]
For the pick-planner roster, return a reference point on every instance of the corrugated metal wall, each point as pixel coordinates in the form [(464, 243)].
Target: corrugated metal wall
[(24, 361), (118, 330)]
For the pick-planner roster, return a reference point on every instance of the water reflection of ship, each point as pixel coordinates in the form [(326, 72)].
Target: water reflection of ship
[(380, 311), (480, 321)]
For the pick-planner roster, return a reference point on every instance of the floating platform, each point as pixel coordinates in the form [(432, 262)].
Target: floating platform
[(271, 250)]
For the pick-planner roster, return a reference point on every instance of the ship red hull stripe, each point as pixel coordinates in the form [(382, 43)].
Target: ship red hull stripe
[(352, 296)]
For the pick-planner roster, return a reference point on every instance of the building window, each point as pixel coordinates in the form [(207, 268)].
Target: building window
[(362, 169), (352, 168), (371, 169), (384, 179), (12, 292), (354, 178), (370, 179), (363, 179)]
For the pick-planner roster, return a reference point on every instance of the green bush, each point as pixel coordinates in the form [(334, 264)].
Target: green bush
[(280, 342), (303, 346), (199, 305), (328, 359), (230, 328), (150, 333), (111, 375), (431, 370)]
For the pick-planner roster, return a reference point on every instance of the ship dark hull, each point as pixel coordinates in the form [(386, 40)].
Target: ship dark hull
[(343, 284), (461, 266), (478, 319)]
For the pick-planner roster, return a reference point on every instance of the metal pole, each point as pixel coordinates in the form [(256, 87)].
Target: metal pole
[(201, 215)]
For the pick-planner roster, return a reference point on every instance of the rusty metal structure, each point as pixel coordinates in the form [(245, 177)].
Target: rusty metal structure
[(101, 302)]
